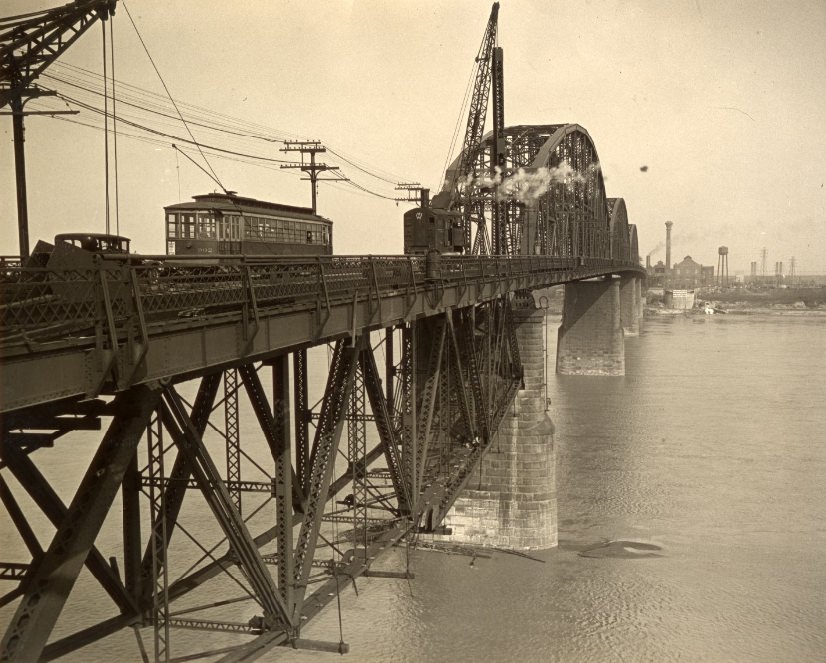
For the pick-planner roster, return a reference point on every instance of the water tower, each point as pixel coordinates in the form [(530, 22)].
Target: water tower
[(722, 266)]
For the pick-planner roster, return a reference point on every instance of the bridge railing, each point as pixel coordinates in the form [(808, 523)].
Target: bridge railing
[(38, 303)]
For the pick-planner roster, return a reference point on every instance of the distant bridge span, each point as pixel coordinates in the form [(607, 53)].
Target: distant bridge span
[(424, 351)]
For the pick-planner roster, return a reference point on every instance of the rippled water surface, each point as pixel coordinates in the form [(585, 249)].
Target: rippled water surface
[(692, 524), (711, 451)]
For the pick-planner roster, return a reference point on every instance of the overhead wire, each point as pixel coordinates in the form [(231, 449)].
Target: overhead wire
[(462, 113), (163, 83), (246, 156), (106, 128), (143, 105), (115, 126), (139, 99)]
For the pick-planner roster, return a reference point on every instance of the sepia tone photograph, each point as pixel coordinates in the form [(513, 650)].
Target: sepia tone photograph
[(412, 331)]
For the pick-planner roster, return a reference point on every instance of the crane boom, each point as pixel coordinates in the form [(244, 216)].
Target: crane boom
[(455, 191), (479, 100), (29, 43)]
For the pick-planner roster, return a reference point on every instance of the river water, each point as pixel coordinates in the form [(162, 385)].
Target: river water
[(692, 524), (710, 451)]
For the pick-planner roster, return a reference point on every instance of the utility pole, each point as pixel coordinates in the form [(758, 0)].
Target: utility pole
[(28, 45), (16, 103), (311, 147)]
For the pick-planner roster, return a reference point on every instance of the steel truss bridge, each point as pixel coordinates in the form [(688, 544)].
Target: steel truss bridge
[(156, 359)]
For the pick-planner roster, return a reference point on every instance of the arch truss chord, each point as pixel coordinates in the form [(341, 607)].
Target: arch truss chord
[(174, 451), (545, 197)]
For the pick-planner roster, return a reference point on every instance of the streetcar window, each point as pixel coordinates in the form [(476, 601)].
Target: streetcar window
[(187, 227), (206, 226), (171, 227), (235, 228)]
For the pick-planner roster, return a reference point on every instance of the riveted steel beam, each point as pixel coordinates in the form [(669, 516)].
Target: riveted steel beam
[(186, 437), (268, 420), (430, 384), (390, 442), (55, 575), (275, 426), (176, 488), (328, 434), (55, 510)]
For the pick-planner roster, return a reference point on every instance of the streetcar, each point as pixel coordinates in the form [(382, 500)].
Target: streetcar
[(223, 224)]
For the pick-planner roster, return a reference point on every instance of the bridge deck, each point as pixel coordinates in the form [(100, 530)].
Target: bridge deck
[(82, 332), (75, 332)]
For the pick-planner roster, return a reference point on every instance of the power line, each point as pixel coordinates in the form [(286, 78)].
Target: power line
[(140, 38), (148, 102)]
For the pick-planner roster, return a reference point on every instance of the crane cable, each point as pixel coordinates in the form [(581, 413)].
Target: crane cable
[(114, 124), (106, 127)]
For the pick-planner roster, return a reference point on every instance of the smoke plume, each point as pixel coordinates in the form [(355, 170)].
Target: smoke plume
[(660, 245), (525, 185)]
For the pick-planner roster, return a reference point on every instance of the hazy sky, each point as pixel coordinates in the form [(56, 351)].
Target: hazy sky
[(724, 102)]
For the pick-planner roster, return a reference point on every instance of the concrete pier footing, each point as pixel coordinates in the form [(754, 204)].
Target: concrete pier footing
[(590, 338), (511, 501), (631, 304)]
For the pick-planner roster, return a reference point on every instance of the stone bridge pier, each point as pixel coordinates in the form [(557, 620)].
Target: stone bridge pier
[(596, 317), (510, 502)]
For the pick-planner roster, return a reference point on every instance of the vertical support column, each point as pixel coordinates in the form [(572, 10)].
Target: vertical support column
[(132, 551), (283, 475), (325, 448), (159, 525), (302, 420), (513, 502), (590, 336), (233, 435), (640, 301), (629, 306), (357, 453), (409, 412)]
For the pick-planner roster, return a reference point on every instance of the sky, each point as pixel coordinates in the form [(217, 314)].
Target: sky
[(709, 114)]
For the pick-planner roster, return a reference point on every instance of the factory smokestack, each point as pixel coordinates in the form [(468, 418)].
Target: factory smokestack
[(648, 261), (668, 225)]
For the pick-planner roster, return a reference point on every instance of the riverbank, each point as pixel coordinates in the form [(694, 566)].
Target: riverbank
[(742, 301)]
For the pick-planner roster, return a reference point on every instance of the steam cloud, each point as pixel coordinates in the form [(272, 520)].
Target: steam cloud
[(660, 245), (526, 185)]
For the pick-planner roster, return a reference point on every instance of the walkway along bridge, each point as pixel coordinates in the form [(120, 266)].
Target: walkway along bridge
[(109, 347)]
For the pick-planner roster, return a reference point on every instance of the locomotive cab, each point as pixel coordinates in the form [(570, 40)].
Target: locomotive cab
[(433, 229)]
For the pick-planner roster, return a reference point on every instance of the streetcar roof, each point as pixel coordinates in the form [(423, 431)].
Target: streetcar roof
[(239, 204)]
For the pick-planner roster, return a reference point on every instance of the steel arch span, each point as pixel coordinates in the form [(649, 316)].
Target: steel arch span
[(548, 199)]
